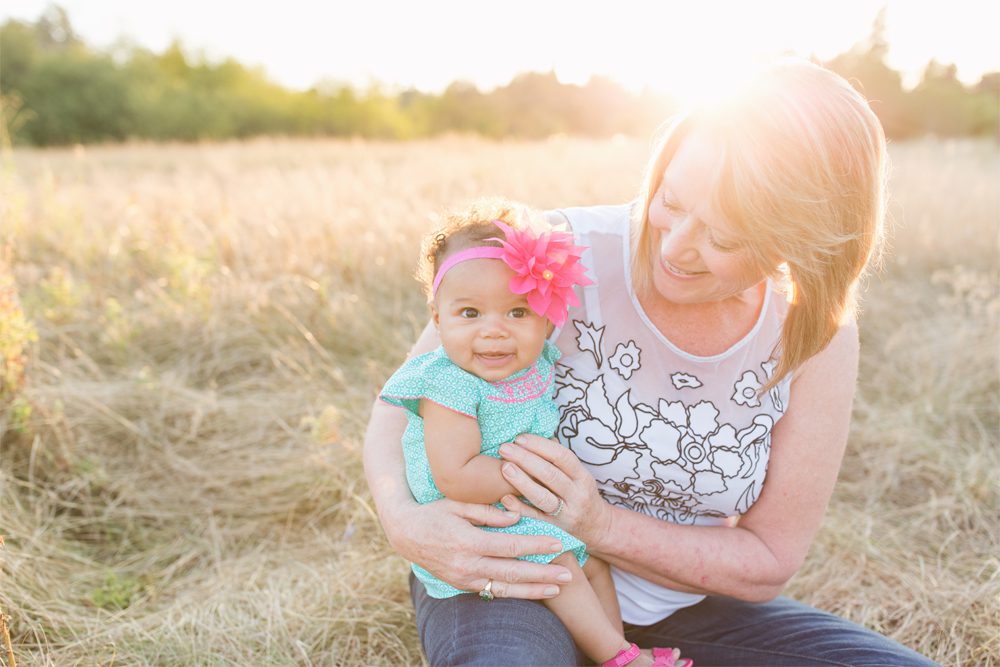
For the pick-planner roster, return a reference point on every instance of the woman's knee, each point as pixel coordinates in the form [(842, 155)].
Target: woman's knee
[(464, 630)]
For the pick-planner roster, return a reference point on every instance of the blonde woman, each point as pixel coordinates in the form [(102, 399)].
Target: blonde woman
[(705, 392)]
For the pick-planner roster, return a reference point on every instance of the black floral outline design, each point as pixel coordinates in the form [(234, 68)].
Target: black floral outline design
[(626, 359), (684, 381)]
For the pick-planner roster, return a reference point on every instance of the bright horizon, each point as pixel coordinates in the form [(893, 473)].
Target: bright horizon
[(682, 48)]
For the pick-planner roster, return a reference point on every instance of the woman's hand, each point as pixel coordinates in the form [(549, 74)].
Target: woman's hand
[(443, 538), (545, 472)]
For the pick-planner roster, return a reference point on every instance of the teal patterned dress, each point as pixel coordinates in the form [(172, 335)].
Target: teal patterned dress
[(521, 403)]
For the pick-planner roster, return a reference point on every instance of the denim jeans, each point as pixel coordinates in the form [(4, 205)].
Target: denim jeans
[(464, 630)]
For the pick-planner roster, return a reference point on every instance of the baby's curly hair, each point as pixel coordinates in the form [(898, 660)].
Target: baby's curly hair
[(467, 228)]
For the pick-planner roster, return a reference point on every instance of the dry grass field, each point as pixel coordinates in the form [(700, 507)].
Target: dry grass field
[(180, 477)]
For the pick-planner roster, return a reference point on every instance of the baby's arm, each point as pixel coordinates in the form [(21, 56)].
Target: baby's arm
[(453, 442)]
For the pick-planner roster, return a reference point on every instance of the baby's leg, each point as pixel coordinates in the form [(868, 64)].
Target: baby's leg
[(599, 575), (583, 614)]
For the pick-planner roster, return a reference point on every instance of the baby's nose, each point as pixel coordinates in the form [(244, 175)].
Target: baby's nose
[(493, 328)]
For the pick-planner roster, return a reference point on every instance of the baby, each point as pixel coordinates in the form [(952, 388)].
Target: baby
[(497, 289)]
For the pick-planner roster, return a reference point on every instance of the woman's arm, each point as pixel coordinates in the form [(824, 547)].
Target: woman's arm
[(443, 536), (751, 560)]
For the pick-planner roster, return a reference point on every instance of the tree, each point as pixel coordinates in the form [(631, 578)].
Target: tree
[(865, 67)]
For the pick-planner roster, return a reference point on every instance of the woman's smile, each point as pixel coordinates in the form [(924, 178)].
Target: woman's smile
[(678, 272)]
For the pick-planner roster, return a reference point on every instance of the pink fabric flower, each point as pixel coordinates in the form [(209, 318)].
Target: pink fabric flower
[(546, 267)]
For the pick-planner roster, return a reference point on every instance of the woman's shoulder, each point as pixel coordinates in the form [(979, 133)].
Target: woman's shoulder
[(603, 219)]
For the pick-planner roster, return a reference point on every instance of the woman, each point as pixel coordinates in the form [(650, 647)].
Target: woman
[(705, 396)]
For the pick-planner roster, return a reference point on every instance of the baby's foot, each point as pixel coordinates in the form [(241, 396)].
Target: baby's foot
[(668, 657)]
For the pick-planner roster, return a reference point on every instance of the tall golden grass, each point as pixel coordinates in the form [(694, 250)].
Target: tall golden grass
[(182, 483)]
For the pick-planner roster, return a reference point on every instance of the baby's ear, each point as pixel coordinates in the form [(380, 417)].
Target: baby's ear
[(434, 314)]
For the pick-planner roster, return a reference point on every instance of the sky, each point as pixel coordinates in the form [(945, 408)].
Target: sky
[(666, 45)]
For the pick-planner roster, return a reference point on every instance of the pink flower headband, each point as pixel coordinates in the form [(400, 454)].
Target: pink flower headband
[(546, 267)]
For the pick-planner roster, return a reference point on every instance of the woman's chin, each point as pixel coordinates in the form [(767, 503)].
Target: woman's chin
[(681, 290)]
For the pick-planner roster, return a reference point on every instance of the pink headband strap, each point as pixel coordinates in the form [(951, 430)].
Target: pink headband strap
[(479, 252), (546, 268)]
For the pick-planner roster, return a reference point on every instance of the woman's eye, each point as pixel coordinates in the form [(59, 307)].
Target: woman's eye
[(519, 312), (721, 247), (669, 205), (468, 313)]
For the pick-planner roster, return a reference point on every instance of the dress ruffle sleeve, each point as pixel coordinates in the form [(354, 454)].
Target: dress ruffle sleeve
[(551, 353), (434, 377)]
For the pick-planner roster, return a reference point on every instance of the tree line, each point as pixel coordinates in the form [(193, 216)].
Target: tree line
[(55, 89)]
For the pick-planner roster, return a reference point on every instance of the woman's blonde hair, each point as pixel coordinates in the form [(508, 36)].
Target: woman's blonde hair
[(802, 182)]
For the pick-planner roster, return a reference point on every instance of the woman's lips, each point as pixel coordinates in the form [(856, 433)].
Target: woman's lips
[(679, 273)]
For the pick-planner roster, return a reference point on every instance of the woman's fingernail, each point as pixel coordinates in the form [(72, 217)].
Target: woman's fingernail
[(519, 440), (565, 577), (504, 449), (555, 546), (551, 591), (509, 470), (510, 515)]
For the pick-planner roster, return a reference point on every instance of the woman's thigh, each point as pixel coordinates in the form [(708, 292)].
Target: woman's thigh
[(464, 630), (724, 631)]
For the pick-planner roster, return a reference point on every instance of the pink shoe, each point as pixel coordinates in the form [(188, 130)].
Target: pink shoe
[(624, 656), (670, 657), (666, 657)]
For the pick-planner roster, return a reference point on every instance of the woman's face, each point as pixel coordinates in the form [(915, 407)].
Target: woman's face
[(696, 257)]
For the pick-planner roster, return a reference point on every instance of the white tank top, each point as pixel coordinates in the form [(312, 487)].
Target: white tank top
[(676, 436)]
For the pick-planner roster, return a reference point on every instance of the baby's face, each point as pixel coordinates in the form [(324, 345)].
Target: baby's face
[(485, 329)]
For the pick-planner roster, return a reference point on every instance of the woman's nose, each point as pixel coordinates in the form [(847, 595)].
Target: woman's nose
[(678, 242)]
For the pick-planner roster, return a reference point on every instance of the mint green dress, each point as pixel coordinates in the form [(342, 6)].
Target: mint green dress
[(521, 403)]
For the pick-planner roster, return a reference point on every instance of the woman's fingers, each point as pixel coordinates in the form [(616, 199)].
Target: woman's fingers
[(505, 545), (545, 473), (549, 463), (523, 579), (444, 538), (486, 515), (515, 504), (540, 495), (559, 456), (502, 589)]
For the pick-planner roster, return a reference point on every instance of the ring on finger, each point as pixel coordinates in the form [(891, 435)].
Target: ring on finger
[(486, 595), (559, 509)]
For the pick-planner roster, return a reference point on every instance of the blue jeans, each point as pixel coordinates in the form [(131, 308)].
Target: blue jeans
[(464, 630)]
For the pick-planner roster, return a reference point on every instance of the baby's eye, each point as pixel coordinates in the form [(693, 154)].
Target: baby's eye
[(519, 312), (468, 313)]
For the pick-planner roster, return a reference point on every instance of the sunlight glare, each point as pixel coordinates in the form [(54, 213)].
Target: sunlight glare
[(712, 81)]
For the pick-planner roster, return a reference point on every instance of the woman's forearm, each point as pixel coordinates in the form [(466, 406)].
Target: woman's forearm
[(384, 466), (708, 560)]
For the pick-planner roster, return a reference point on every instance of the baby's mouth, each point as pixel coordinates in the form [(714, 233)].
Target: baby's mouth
[(494, 358)]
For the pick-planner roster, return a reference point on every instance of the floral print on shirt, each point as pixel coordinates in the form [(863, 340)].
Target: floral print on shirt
[(673, 460)]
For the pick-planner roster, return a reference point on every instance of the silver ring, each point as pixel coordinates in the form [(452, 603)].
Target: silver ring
[(562, 504), (486, 595)]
